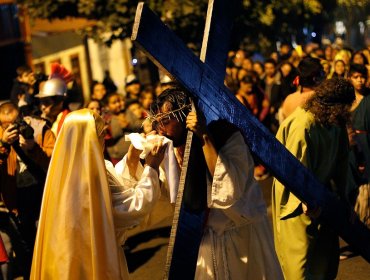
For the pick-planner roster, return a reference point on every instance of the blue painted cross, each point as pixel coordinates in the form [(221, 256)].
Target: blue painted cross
[(205, 82)]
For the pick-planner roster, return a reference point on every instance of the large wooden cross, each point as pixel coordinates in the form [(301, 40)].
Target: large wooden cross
[(204, 78)]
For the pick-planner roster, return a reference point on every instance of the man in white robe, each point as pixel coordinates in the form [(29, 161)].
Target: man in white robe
[(237, 242)]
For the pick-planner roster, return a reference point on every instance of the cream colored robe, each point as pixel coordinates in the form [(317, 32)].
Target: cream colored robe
[(237, 241)]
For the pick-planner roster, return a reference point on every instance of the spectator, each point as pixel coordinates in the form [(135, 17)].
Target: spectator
[(98, 91), (258, 68), (22, 90), (328, 53), (310, 75), (132, 87), (287, 75), (272, 89), (339, 69), (146, 98), (95, 106), (120, 123), (165, 82), (359, 179), (359, 58), (26, 150), (52, 97)]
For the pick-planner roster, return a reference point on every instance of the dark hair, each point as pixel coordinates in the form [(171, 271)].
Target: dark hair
[(231, 83), (108, 96), (131, 102), (93, 83), (358, 68), (270, 60), (364, 58), (178, 99), (331, 101), (93, 100), (259, 63), (310, 72), (230, 62), (248, 79), (23, 69), (147, 91)]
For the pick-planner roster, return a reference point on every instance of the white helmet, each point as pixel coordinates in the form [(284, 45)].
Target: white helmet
[(57, 83), (53, 87)]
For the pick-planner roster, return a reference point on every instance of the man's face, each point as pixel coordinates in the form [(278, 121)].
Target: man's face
[(133, 89), (50, 108), (284, 49), (27, 78), (286, 69), (358, 81), (170, 127), (269, 69), (258, 68)]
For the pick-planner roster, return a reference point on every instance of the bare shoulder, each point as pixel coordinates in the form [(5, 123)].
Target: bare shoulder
[(291, 102), (292, 98)]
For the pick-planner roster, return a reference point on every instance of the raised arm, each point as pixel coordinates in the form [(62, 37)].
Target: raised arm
[(133, 199)]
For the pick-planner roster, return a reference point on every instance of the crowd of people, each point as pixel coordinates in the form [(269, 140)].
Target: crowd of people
[(53, 145)]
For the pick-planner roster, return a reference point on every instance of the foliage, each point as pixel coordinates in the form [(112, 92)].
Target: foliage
[(259, 22), (113, 17)]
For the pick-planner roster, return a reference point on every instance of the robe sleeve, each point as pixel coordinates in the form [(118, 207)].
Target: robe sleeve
[(295, 139), (132, 200), (233, 173)]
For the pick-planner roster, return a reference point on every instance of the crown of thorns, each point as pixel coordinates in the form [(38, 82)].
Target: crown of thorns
[(179, 114)]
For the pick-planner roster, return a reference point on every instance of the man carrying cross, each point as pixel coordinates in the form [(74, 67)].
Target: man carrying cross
[(237, 241), (204, 79)]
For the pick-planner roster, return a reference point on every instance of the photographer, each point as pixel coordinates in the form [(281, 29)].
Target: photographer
[(25, 150)]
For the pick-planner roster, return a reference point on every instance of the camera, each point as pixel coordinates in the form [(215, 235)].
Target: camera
[(23, 128)]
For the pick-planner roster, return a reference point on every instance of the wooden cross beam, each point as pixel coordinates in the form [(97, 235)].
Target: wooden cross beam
[(205, 82), (190, 208)]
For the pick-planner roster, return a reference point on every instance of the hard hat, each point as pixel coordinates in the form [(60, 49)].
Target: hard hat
[(53, 87)]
